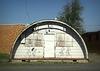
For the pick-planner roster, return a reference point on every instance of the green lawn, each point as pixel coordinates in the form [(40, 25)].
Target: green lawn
[(4, 57)]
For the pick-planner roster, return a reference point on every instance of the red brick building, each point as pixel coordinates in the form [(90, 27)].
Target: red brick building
[(8, 34)]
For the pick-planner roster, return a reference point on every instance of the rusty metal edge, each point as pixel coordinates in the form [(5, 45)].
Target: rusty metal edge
[(49, 59)]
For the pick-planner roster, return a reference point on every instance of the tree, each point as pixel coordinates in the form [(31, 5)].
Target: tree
[(72, 15)]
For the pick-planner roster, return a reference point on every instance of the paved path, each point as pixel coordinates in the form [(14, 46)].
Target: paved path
[(62, 67)]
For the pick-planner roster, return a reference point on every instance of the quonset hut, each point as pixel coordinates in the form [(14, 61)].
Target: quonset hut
[(49, 40)]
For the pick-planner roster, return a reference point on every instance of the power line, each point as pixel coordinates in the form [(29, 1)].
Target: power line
[(27, 12)]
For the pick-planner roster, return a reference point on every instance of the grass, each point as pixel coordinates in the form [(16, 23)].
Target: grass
[(4, 57), (89, 54)]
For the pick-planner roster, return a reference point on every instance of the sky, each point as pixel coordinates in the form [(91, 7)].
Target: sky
[(19, 12)]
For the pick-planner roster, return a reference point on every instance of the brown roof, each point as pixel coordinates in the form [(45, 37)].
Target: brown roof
[(8, 34)]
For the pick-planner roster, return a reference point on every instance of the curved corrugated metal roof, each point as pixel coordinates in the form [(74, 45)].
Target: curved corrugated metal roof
[(55, 21)]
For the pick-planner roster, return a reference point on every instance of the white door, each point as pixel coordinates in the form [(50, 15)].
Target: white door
[(49, 46)]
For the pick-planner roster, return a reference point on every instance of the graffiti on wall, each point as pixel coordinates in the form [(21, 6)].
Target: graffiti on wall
[(33, 51), (38, 40)]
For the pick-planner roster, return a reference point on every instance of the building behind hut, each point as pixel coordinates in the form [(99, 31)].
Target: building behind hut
[(92, 40)]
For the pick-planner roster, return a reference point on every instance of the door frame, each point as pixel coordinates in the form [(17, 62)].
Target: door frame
[(53, 35)]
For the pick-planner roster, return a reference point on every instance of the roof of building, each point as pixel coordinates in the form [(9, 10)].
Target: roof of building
[(90, 33)]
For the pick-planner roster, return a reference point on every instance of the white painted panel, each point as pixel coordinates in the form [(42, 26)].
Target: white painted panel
[(30, 36), (68, 52), (21, 51), (61, 52), (68, 37), (69, 55), (56, 56), (75, 44), (76, 51), (22, 45), (38, 36), (25, 48), (61, 57), (41, 56), (29, 52), (39, 48), (59, 48), (37, 52), (59, 27), (68, 40), (44, 26), (17, 56), (24, 51), (64, 55), (77, 56), (49, 46), (75, 48), (68, 43), (21, 48), (65, 49), (57, 31)]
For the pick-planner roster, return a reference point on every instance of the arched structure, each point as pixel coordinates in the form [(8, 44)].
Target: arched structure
[(49, 39)]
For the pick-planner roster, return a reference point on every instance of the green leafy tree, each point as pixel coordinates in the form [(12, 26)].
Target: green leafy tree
[(72, 15)]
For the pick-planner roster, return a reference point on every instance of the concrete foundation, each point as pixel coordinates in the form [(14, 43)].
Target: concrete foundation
[(79, 61)]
